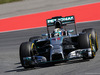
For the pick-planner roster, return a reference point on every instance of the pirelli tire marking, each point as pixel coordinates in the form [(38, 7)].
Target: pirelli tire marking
[(96, 40), (91, 45)]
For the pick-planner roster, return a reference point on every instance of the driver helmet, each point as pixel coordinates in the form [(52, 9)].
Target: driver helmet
[(57, 24)]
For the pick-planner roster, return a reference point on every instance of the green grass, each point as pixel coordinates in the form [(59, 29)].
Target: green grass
[(8, 1)]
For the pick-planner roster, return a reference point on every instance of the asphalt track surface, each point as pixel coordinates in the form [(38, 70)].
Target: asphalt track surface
[(10, 41), (35, 6), (10, 63)]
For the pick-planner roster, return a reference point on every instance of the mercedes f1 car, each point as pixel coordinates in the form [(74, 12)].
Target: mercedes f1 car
[(56, 48)]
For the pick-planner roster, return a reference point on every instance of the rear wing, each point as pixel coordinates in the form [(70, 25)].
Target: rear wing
[(64, 20)]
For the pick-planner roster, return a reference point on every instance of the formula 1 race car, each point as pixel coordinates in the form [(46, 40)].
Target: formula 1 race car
[(60, 45)]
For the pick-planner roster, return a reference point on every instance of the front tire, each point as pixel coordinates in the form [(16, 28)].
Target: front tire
[(85, 41), (94, 36), (25, 51)]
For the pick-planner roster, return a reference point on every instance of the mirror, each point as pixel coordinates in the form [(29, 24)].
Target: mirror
[(45, 34)]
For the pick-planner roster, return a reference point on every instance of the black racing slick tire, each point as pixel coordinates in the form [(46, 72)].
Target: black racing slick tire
[(93, 34), (85, 41), (25, 51), (35, 38)]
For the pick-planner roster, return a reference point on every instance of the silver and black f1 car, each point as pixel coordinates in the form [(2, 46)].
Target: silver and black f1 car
[(60, 45)]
